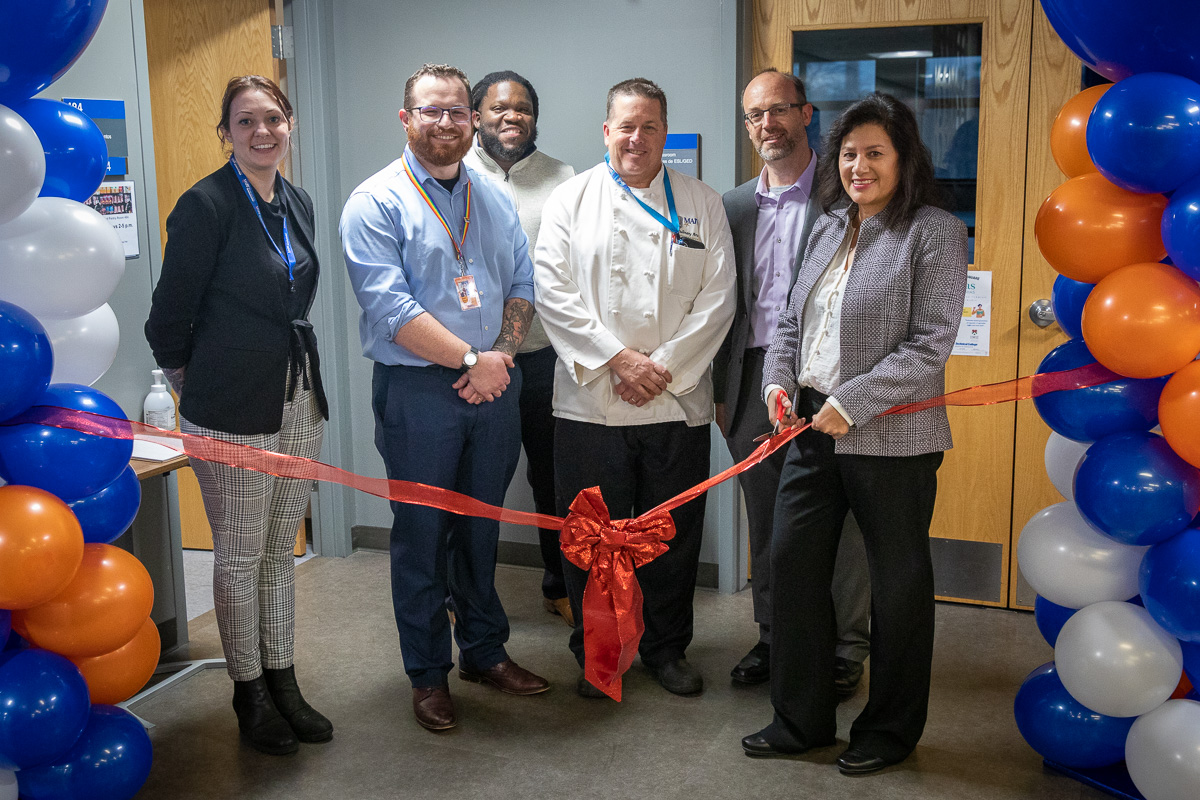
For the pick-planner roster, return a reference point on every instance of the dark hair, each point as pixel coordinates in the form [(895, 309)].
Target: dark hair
[(437, 71), (637, 87), (245, 83), (492, 78), (797, 84), (916, 186)]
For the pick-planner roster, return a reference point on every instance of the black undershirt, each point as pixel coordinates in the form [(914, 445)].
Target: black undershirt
[(296, 302), (448, 183)]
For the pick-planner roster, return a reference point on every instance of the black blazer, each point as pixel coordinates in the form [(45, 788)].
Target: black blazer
[(742, 210), (219, 307)]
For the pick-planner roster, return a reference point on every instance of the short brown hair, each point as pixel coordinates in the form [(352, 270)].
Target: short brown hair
[(244, 83), (436, 71), (797, 84), (637, 87)]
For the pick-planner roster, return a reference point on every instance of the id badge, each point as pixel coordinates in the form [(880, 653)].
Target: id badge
[(468, 295)]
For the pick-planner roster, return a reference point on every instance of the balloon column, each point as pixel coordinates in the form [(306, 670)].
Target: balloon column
[(1117, 566), (75, 630)]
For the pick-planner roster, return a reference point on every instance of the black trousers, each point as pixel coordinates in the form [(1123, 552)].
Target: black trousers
[(892, 498), (537, 436), (637, 467)]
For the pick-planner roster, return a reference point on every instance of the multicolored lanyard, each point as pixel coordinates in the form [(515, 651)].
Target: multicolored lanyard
[(290, 257), (458, 246)]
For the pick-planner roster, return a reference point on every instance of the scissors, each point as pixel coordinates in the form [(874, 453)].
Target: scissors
[(779, 398)]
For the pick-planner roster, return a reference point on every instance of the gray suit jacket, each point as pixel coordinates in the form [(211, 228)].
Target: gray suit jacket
[(742, 210), (900, 314)]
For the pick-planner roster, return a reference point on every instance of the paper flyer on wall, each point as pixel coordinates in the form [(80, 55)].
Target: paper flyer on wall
[(974, 330), (114, 201)]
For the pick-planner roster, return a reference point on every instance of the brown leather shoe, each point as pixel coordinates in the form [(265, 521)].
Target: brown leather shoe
[(433, 708), (507, 677), (560, 606)]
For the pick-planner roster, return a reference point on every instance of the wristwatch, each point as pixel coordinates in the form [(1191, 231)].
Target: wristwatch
[(470, 359)]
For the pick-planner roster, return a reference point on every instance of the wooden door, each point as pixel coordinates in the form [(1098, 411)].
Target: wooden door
[(972, 536), (193, 49)]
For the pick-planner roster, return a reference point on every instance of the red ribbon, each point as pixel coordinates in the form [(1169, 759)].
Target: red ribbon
[(612, 600)]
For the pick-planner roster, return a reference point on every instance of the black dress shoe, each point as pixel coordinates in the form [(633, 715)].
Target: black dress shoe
[(755, 667), (586, 689), (679, 677), (757, 746), (307, 723), (859, 762), (260, 723), (846, 675)]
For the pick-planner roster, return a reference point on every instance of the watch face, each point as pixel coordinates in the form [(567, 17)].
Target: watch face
[(470, 359)]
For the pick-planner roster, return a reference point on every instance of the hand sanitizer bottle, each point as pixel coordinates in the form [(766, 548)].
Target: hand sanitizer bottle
[(159, 408)]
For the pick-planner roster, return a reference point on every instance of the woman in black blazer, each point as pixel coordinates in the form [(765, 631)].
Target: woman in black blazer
[(872, 321), (228, 325)]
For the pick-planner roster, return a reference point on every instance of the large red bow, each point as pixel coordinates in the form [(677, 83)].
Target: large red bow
[(612, 601)]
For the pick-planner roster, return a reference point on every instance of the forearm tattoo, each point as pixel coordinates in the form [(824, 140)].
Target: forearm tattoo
[(518, 314)]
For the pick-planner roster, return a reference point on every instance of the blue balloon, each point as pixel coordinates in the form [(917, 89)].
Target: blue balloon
[(5, 627), (76, 154), (15, 644), (1169, 581), (1050, 618), (107, 514), (1144, 133), (64, 462), (110, 761), (1061, 729), (1191, 661), (1091, 413), (1133, 488), (40, 41), (26, 359), (1119, 38), (1067, 298), (43, 708), (1181, 228)]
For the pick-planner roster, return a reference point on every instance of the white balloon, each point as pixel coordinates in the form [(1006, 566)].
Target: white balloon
[(1162, 751), (84, 347), (1062, 457), (60, 259), (8, 780), (1116, 660), (22, 167), (1068, 562)]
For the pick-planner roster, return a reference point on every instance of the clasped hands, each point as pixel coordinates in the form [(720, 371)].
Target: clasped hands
[(640, 378), (827, 420), (487, 380)]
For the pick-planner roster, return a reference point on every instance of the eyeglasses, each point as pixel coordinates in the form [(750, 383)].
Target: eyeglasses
[(459, 115), (756, 117)]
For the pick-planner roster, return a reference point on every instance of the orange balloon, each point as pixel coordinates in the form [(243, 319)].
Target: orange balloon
[(117, 676), (100, 610), (1089, 227), (1143, 321), (1179, 413), (1181, 691), (41, 545), (1068, 134)]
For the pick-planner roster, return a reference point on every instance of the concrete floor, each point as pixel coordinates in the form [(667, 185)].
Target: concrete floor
[(558, 745)]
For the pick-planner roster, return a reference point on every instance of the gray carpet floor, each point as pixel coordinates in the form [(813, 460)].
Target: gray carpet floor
[(558, 745)]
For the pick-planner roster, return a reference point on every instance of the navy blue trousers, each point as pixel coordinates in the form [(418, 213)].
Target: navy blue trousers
[(426, 433), (537, 435)]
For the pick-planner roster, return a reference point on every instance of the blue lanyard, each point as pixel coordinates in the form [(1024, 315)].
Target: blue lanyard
[(672, 224), (290, 258)]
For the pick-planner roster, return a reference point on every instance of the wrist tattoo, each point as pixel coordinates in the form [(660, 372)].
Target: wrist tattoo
[(518, 314)]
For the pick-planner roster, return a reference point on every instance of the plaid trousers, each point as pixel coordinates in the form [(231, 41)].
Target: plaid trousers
[(254, 518)]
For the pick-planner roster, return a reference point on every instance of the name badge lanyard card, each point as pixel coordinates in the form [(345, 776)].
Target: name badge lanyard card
[(672, 224), (464, 285), (288, 256)]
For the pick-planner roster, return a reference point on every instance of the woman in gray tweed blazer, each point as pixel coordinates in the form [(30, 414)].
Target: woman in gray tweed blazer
[(872, 320)]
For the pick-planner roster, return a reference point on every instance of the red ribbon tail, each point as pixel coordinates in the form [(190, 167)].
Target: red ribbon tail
[(612, 623)]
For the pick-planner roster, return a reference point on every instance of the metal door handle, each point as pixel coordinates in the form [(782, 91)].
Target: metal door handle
[(1042, 313)]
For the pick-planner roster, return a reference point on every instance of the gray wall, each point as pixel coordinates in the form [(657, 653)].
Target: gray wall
[(113, 67), (352, 59)]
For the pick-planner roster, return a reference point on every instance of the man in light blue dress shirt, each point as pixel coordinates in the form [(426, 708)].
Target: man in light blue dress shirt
[(440, 266)]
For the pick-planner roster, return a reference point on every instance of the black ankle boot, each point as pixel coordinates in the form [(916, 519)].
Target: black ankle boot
[(259, 721), (308, 724)]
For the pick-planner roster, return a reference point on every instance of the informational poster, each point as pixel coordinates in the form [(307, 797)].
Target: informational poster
[(114, 201), (974, 330), (109, 116), (682, 153)]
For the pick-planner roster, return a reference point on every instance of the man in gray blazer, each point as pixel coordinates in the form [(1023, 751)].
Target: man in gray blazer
[(771, 217)]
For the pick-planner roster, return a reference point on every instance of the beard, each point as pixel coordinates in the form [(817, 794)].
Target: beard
[(781, 149), (438, 153), (493, 147)]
